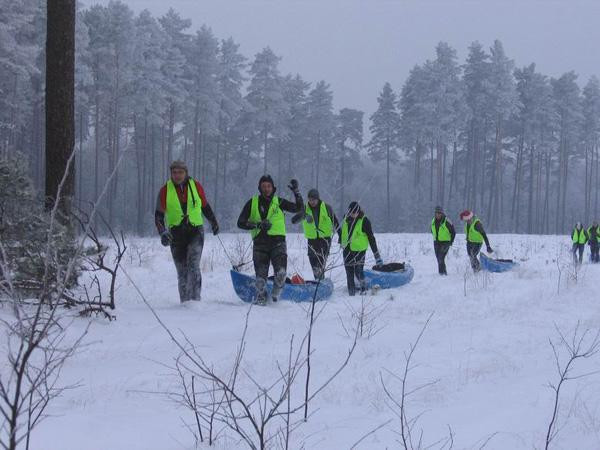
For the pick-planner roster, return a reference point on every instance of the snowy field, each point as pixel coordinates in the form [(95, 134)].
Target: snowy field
[(485, 356)]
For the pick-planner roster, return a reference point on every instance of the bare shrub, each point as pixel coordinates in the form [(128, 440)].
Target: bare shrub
[(581, 345)]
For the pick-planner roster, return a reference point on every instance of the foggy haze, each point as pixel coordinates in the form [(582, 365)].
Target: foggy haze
[(357, 46)]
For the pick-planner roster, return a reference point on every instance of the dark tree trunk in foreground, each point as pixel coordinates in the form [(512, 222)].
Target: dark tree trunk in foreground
[(60, 99)]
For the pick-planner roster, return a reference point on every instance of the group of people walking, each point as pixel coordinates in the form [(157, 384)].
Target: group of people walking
[(263, 216), (444, 233), (581, 236), (182, 206)]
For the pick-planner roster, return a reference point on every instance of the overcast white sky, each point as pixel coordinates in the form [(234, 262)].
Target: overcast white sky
[(357, 45)]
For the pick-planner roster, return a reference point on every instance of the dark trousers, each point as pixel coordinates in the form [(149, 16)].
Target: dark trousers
[(354, 263), (595, 249), (318, 252), (578, 248), (473, 252), (441, 250), (263, 256), (186, 250)]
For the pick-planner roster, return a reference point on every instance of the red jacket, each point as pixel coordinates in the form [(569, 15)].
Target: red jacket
[(161, 203)]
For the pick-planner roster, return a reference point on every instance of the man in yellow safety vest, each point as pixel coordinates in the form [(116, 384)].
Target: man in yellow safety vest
[(319, 225), (180, 207), (475, 235), (579, 236), (443, 237), (263, 216), (356, 236)]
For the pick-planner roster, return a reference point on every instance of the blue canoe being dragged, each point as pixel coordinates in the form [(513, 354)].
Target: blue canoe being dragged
[(245, 288), (496, 265), (387, 280)]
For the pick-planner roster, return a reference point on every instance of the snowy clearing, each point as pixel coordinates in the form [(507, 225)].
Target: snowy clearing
[(486, 352)]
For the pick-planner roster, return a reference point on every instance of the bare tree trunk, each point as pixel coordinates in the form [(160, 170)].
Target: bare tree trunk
[(587, 193), (318, 159), (60, 103), (217, 166), (80, 167), (140, 176), (265, 145), (417, 180), (163, 152), (531, 189), (342, 174), (452, 171), (546, 212), (170, 133), (559, 183), (565, 189), (195, 139), (387, 179), (152, 179), (597, 183), (444, 169), (514, 210), (431, 172)]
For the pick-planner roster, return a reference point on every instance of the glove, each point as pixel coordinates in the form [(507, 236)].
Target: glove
[(489, 249), (293, 185), (378, 260), (215, 227), (309, 218), (166, 238), (298, 217), (264, 225)]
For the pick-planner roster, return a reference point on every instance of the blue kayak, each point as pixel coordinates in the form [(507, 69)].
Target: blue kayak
[(245, 288), (496, 265), (388, 280)]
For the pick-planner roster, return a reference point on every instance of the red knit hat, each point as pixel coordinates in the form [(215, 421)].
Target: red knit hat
[(466, 215)]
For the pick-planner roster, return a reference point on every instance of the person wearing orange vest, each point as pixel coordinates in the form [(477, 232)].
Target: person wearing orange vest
[(579, 236), (443, 237), (475, 236), (263, 216), (180, 208), (356, 235)]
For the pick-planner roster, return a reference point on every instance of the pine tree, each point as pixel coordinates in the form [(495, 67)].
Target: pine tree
[(177, 74), (149, 101), (320, 126), (533, 124), (591, 141), (502, 103), (384, 143), (297, 143), (230, 82), (265, 96), (567, 102), (476, 79), (349, 134)]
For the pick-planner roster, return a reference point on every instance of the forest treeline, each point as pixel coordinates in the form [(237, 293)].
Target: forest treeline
[(518, 147)]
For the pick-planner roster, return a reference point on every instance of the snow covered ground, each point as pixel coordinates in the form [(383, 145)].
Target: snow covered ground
[(486, 352)]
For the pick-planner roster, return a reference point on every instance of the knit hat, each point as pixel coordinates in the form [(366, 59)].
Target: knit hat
[(466, 215), (353, 207), (314, 194), (439, 209), (178, 164), (266, 178)]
